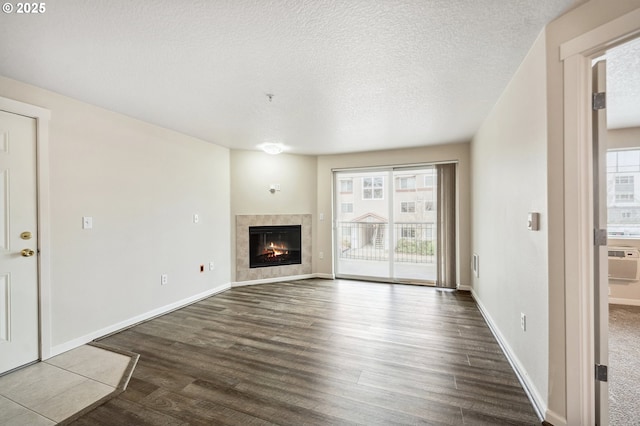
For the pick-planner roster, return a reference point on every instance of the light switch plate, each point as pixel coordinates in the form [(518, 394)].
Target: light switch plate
[(533, 221), (87, 222)]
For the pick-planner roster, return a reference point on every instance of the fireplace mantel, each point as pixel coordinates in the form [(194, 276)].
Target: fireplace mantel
[(245, 273)]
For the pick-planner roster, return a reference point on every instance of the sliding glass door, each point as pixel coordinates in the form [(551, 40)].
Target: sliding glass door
[(386, 224)]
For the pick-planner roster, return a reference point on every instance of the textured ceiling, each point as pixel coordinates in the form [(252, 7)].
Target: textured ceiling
[(347, 76)]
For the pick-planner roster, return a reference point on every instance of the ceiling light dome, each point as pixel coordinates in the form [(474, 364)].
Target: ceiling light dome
[(272, 148)]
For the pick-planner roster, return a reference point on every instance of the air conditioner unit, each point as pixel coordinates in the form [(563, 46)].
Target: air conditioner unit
[(623, 263)]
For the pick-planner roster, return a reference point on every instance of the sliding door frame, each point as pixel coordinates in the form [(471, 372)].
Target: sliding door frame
[(388, 170)]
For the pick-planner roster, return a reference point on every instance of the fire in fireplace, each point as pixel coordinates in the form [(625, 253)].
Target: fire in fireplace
[(275, 245)]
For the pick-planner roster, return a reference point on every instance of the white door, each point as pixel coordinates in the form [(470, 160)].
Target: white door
[(601, 267), (18, 242)]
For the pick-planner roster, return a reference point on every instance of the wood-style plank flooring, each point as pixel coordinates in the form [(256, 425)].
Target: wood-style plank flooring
[(318, 352)]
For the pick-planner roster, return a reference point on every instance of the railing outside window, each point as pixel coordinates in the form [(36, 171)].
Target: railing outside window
[(412, 242)]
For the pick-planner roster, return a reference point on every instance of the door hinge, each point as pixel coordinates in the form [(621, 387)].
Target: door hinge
[(599, 237), (599, 101), (601, 373)]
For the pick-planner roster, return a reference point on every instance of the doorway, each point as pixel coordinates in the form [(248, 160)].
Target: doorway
[(621, 290), (578, 226)]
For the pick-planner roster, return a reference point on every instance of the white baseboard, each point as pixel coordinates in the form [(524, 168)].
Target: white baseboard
[(72, 344), (620, 301), (464, 287), (325, 276), (555, 419), (530, 389), (273, 280)]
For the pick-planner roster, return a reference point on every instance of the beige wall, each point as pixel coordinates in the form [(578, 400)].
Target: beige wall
[(252, 173), (577, 22), (428, 154), (141, 184), (508, 156)]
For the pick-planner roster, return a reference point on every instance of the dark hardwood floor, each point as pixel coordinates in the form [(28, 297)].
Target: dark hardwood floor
[(318, 352)]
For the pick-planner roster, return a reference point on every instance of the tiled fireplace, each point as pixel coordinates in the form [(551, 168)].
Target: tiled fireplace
[(268, 251)]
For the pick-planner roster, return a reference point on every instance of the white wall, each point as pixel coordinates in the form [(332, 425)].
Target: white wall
[(252, 173), (141, 184), (508, 157), (428, 154)]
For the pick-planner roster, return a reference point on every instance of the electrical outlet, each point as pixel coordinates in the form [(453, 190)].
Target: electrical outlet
[(212, 266), (321, 255), (196, 218), (164, 278), (523, 321)]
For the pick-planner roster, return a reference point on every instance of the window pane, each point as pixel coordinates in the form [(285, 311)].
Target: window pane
[(346, 186), (623, 197)]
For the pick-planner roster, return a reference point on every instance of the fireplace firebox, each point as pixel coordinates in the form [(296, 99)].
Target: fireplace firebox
[(275, 245)]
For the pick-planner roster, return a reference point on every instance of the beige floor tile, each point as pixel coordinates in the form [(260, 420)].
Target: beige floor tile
[(95, 363), (37, 383), (14, 414), (72, 400)]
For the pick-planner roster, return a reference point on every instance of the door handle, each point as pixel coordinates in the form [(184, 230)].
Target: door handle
[(27, 253)]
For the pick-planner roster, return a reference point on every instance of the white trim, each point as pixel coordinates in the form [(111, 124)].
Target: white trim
[(530, 389), (621, 301), (555, 419), (42, 117), (576, 55), (274, 280), (578, 225), (608, 35), (67, 346), (324, 276), (465, 287)]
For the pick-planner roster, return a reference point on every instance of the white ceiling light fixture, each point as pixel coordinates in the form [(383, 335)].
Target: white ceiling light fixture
[(272, 148)]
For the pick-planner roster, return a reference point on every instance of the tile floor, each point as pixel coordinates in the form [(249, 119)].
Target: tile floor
[(51, 391)]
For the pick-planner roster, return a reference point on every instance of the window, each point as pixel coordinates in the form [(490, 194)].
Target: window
[(346, 186), (407, 182), (428, 181), (346, 207), (408, 232), (428, 206), (624, 189), (623, 199), (408, 207), (372, 188)]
